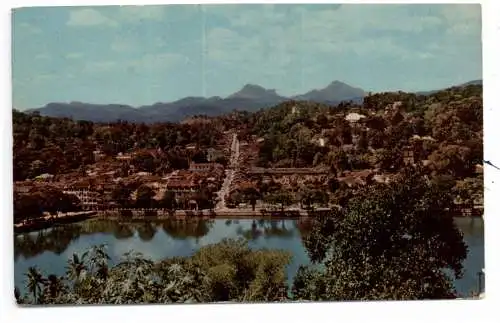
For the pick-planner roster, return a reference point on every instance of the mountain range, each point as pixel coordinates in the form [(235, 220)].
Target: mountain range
[(250, 98)]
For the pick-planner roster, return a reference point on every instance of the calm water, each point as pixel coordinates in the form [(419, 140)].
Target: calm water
[(50, 249)]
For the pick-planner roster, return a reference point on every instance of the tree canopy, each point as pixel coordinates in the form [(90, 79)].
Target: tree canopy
[(390, 242)]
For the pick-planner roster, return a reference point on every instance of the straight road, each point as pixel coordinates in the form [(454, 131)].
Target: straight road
[(229, 172)]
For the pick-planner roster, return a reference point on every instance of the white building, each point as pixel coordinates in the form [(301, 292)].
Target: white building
[(354, 117)]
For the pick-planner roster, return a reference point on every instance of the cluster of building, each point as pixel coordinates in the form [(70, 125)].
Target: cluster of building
[(183, 183), (95, 186)]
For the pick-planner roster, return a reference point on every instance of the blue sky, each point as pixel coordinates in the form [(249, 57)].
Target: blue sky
[(141, 55)]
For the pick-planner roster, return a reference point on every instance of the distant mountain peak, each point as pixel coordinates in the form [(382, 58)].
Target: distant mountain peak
[(250, 97), (336, 83), (250, 86), (253, 91), (333, 92)]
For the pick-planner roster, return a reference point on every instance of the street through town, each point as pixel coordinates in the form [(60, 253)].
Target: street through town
[(229, 172)]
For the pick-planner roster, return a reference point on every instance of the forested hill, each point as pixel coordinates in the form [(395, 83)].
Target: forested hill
[(249, 98), (447, 122), (452, 118)]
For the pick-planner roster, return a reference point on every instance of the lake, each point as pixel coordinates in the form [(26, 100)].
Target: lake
[(49, 249)]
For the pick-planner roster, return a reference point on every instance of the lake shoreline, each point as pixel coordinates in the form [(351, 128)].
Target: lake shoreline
[(162, 214), (179, 237), (53, 220)]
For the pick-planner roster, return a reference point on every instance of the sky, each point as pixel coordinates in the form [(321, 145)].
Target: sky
[(140, 55)]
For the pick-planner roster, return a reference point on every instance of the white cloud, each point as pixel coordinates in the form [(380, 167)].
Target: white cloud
[(160, 42), (29, 28), (454, 14), (157, 61), (148, 62), (140, 13), (367, 30), (120, 45), (251, 16), (463, 29), (42, 56), (222, 44), (100, 66), (121, 15), (74, 55), (40, 78), (89, 17)]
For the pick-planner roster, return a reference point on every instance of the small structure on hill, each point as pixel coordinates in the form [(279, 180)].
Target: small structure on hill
[(44, 177), (354, 117)]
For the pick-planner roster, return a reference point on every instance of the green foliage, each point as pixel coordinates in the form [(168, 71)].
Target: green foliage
[(390, 242), (121, 195), (309, 285), (60, 145), (168, 200), (145, 162), (281, 198), (32, 205), (470, 190), (251, 194), (310, 197), (454, 160), (227, 271), (145, 196)]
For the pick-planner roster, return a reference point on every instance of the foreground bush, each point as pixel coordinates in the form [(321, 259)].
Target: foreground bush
[(226, 271)]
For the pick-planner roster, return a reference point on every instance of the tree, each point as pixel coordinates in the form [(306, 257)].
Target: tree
[(376, 122), (363, 141), (206, 198), (470, 190), (333, 184), (282, 198), (26, 206), (68, 203), (454, 160), (322, 121), (121, 195), (144, 161), (338, 160), (145, 196), (251, 194), (309, 285), (34, 282), (227, 271), (388, 159), (76, 266), (168, 200), (53, 287), (391, 242), (306, 196)]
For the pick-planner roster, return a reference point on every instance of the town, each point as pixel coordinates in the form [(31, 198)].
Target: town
[(228, 174)]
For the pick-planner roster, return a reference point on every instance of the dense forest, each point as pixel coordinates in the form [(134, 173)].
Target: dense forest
[(57, 146), (453, 118)]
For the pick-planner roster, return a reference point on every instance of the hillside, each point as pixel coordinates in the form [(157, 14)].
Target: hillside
[(250, 98)]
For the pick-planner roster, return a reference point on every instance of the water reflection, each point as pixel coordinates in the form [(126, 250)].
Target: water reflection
[(266, 229), (49, 249), (57, 239), (182, 229)]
